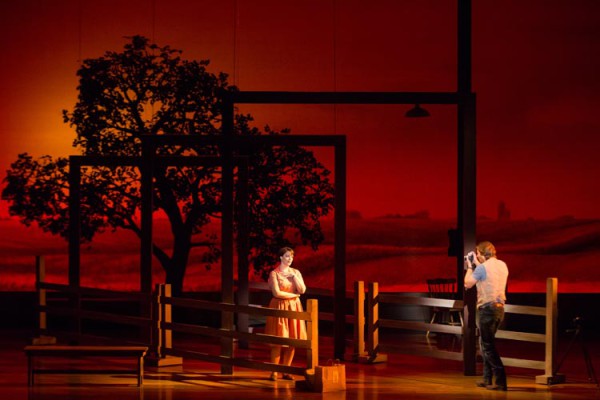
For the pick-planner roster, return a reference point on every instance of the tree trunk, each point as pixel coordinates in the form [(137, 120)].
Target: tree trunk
[(175, 274), (174, 277)]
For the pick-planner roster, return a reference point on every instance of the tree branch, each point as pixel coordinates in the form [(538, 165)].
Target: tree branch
[(162, 257)]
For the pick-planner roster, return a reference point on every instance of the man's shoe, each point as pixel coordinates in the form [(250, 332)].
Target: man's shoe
[(497, 387), (482, 384)]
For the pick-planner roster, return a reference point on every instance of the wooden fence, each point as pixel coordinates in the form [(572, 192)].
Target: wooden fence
[(72, 304), (165, 327), (156, 327), (374, 323), (356, 297)]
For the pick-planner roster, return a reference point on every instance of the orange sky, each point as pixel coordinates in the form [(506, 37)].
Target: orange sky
[(535, 71)]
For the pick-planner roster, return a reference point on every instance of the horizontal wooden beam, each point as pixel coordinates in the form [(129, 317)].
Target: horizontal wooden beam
[(247, 141), (221, 333), (421, 351), (420, 326), (97, 316), (234, 308), (419, 301), (520, 363), (236, 361), (523, 336), (266, 97), (89, 291), (527, 310)]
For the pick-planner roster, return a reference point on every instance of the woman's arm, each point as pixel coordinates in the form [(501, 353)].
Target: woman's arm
[(300, 286), (274, 285)]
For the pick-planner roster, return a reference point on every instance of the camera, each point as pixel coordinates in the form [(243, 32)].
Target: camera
[(470, 257)]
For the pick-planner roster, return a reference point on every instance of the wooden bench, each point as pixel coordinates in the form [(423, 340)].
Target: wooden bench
[(32, 352)]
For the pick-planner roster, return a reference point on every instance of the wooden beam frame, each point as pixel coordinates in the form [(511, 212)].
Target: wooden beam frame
[(466, 185)]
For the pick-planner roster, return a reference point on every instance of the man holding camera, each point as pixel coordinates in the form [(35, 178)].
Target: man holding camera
[(489, 275)]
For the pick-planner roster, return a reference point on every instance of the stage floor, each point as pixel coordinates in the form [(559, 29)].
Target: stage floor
[(402, 377)]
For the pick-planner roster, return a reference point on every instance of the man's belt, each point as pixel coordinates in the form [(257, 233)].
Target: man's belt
[(491, 304)]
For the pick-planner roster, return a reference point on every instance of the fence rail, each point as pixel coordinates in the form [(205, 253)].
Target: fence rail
[(165, 327), (549, 338), (157, 327), (155, 321)]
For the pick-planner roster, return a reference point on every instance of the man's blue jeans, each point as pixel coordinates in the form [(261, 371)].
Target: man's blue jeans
[(489, 317)]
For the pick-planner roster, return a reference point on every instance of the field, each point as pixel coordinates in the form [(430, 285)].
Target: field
[(399, 253)]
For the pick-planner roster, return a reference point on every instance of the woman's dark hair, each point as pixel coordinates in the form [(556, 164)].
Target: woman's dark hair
[(284, 250)]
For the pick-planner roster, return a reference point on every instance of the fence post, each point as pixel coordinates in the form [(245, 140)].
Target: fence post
[(162, 338), (40, 277), (167, 340), (158, 319), (359, 320), (312, 356), (372, 329), (550, 377), (373, 355), (373, 307), (76, 300), (42, 328)]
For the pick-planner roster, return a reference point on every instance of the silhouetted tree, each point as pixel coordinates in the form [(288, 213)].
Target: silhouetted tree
[(151, 90)]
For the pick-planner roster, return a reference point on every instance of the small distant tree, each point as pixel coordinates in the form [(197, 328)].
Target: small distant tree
[(503, 212), (150, 90)]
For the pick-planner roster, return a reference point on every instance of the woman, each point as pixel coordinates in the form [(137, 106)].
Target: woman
[(287, 285)]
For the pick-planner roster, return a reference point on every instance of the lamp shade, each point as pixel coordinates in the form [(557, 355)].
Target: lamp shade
[(417, 112)]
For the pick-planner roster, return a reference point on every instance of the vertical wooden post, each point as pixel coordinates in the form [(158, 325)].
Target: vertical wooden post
[(373, 355), (30, 374), (74, 219), (40, 277), (466, 190), (74, 242), (227, 221), (339, 278), (312, 356), (157, 337), (464, 46), (146, 167), (467, 224), (146, 191), (551, 323), (243, 295), (359, 319), (160, 332), (550, 376), (167, 339), (372, 330), (162, 337), (140, 371), (42, 328)]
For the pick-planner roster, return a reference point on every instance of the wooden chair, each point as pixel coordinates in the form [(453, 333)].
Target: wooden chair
[(444, 288)]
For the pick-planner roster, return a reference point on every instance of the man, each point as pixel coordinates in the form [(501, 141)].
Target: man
[(489, 274)]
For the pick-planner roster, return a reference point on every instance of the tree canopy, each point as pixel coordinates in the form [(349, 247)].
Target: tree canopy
[(150, 90)]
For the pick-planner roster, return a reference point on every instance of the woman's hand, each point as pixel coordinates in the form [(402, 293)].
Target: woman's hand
[(299, 282)]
